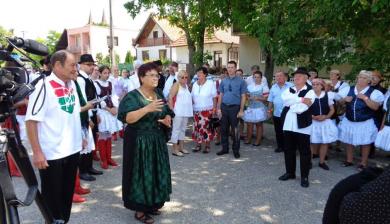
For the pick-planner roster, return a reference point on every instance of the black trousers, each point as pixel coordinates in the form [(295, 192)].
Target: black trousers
[(86, 161), (229, 120), (278, 125), (301, 142), (57, 183)]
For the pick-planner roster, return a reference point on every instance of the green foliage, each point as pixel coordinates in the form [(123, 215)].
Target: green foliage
[(3, 34), (319, 33), (106, 60), (194, 17), (129, 58)]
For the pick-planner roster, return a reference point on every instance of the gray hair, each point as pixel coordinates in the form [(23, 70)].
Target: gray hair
[(367, 74), (60, 56), (181, 73)]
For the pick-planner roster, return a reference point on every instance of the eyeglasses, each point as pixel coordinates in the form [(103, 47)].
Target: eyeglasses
[(153, 75)]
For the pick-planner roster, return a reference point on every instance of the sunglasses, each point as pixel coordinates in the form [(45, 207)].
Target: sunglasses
[(184, 77)]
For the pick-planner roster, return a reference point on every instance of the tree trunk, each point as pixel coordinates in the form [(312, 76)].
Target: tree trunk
[(269, 65), (191, 61)]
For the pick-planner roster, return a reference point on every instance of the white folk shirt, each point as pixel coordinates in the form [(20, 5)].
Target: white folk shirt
[(293, 101), (59, 125), (168, 85)]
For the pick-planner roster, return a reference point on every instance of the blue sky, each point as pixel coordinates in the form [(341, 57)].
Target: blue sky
[(34, 18)]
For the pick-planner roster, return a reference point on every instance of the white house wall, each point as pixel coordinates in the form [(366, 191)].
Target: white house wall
[(181, 53), (153, 52)]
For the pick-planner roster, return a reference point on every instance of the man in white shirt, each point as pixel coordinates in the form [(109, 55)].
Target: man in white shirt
[(54, 131), (250, 80), (297, 126), (88, 91), (171, 79)]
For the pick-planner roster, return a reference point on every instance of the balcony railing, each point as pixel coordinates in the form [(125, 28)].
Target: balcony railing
[(79, 49), (154, 42)]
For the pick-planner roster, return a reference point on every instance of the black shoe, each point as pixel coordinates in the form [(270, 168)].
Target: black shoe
[(236, 155), (305, 182), (277, 150), (94, 171), (222, 152), (287, 176), (86, 177), (323, 166)]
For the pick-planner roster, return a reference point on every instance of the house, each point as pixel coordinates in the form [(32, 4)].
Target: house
[(154, 39), (220, 45), (94, 38), (160, 40)]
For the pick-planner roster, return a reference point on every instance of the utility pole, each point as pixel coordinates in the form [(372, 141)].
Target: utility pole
[(111, 47)]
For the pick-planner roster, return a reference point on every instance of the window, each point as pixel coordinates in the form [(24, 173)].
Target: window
[(155, 34), (145, 55), (233, 54), (78, 41), (162, 54), (218, 59), (116, 42)]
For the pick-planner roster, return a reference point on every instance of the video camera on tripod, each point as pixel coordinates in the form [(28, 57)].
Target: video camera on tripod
[(14, 87)]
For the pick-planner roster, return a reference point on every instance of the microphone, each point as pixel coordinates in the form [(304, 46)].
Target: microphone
[(30, 46)]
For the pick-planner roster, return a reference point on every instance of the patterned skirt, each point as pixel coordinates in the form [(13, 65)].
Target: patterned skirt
[(202, 131)]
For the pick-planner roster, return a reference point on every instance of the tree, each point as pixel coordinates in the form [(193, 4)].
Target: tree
[(51, 40), (194, 17), (129, 58), (3, 34)]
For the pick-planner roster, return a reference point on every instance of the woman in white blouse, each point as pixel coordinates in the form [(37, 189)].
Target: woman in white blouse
[(324, 131), (204, 101), (358, 127), (180, 101)]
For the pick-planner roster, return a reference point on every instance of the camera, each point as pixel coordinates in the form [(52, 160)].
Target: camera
[(14, 87)]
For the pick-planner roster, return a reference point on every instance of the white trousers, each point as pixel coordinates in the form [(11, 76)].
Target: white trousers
[(179, 126)]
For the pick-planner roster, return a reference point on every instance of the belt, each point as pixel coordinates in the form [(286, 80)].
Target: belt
[(230, 105)]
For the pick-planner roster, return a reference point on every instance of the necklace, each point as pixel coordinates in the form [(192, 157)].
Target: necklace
[(148, 98)]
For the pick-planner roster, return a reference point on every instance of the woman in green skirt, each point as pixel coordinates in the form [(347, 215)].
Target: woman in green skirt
[(146, 182)]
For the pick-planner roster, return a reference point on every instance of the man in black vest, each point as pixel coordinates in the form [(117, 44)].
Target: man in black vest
[(88, 90), (297, 121)]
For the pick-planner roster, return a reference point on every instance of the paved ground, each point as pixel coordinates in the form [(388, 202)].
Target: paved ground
[(211, 189)]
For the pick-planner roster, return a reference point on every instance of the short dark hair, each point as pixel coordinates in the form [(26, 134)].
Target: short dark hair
[(59, 56), (104, 67), (313, 70), (175, 64), (240, 70), (158, 63), (255, 67), (203, 69), (233, 63), (143, 69), (258, 72)]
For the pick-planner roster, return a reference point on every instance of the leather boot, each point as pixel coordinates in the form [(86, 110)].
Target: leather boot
[(78, 189), (78, 199), (95, 155), (103, 153), (110, 161)]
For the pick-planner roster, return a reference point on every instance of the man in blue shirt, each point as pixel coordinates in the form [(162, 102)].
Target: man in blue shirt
[(231, 103), (275, 105)]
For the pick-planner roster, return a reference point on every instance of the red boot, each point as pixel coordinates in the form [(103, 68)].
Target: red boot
[(115, 137), (78, 189), (12, 166), (121, 133), (78, 199), (110, 161), (95, 155), (103, 153)]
